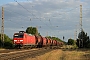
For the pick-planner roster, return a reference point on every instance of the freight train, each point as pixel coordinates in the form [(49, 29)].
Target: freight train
[(22, 39)]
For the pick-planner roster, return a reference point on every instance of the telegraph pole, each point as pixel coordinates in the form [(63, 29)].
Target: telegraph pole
[(2, 27)]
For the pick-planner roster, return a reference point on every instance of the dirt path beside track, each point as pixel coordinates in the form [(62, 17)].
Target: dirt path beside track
[(52, 55), (59, 54)]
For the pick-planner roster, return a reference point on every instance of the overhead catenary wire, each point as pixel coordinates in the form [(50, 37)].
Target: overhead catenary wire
[(49, 21), (10, 20), (28, 11), (25, 8), (50, 27)]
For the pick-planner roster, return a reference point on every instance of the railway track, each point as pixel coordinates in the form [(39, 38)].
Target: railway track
[(10, 50), (21, 55)]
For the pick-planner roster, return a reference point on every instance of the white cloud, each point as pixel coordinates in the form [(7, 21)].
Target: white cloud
[(51, 15)]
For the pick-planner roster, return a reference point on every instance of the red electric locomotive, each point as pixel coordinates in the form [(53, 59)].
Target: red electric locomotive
[(23, 39)]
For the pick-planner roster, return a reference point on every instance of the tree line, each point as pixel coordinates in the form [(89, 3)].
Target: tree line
[(83, 40), (7, 43)]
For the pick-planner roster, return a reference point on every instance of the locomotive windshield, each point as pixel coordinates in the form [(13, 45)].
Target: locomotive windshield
[(18, 35)]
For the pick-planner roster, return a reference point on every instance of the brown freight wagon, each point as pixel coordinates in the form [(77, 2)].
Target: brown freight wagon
[(45, 41), (54, 42), (49, 42), (40, 41)]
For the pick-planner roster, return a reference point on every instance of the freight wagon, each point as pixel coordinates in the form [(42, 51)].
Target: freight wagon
[(45, 41), (40, 41)]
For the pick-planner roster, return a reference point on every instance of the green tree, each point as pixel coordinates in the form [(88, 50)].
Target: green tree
[(71, 42), (83, 40), (32, 30), (7, 42)]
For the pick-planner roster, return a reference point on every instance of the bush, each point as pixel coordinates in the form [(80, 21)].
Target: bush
[(88, 45), (8, 45)]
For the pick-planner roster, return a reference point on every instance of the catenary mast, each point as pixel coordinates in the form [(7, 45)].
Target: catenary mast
[(2, 27)]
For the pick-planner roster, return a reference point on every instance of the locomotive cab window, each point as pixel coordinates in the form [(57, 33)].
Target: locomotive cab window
[(18, 36)]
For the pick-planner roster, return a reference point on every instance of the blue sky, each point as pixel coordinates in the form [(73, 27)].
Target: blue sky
[(2, 2), (53, 17), (82, 0)]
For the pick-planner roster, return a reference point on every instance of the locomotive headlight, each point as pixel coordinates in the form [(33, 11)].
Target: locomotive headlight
[(15, 40), (21, 40)]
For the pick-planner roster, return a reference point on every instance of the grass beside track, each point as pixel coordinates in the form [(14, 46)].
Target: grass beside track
[(64, 54), (2, 49)]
